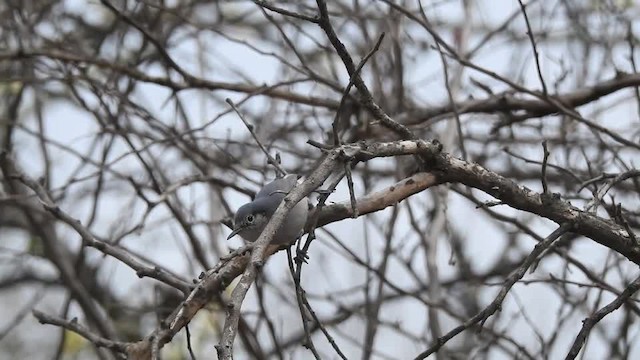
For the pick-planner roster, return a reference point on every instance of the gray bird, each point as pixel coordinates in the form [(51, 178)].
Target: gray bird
[(251, 218)]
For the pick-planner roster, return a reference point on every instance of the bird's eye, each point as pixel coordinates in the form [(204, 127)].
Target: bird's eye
[(250, 219)]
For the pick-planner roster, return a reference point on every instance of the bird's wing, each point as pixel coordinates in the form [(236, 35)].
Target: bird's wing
[(279, 185)]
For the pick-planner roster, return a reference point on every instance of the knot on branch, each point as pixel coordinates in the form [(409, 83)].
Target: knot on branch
[(549, 198)]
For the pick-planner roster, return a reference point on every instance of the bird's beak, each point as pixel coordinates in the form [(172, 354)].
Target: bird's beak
[(234, 233)]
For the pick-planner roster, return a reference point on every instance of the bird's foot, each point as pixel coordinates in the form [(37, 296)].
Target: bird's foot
[(301, 256)]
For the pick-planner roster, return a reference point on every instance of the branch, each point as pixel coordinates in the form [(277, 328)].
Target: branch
[(272, 161), (367, 99), (535, 48), (534, 107), (56, 253), (166, 81), (73, 325), (592, 320), (88, 238), (550, 206), (378, 200), (496, 304), (285, 12)]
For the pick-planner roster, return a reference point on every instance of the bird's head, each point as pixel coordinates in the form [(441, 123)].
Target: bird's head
[(250, 220)]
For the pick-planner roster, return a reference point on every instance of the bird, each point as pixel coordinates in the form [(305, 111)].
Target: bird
[(251, 218)]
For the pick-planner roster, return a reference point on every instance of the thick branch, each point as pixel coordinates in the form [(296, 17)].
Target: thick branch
[(550, 206), (534, 107)]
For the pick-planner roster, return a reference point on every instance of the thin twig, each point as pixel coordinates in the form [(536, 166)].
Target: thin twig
[(193, 356), (592, 320), (454, 107), (535, 48), (272, 161), (20, 315), (302, 251), (352, 192), (322, 328), (73, 325), (543, 176), (367, 97), (496, 304), (345, 93), (597, 199), (159, 47), (285, 12), (308, 343)]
